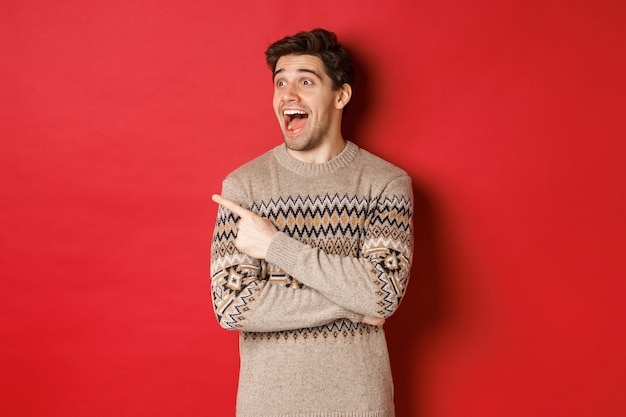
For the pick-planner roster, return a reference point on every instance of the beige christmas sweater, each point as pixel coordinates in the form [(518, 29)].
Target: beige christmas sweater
[(343, 252)]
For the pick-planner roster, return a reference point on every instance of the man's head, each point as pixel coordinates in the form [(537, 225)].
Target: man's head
[(312, 86), (320, 43)]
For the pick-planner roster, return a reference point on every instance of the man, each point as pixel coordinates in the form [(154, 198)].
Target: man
[(312, 249)]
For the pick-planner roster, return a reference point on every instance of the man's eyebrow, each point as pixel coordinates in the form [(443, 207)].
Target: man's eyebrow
[(305, 70), (278, 71)]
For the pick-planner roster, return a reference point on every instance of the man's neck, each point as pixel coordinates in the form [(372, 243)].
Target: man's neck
[(321, 154)]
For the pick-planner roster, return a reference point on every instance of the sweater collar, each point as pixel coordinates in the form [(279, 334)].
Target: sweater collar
[(310, 170)]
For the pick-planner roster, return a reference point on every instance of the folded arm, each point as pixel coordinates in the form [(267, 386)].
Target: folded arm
[(248, 296)]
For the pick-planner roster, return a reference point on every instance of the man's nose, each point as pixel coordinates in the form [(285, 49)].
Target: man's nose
[(290, 93)]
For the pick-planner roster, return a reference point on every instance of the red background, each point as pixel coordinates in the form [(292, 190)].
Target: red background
[(120, 118)]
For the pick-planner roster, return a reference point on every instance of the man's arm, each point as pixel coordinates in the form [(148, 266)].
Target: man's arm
[(371, 285), (244, 296)]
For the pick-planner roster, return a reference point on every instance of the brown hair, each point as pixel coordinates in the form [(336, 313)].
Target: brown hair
[(320, 43)]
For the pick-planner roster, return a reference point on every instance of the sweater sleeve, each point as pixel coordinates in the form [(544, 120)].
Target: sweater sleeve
[(373, 283), (250, 295)]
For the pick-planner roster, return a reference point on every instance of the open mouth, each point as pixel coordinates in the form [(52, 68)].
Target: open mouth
[(294, 119)]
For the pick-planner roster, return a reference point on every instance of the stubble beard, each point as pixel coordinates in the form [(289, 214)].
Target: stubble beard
[(314, 138)]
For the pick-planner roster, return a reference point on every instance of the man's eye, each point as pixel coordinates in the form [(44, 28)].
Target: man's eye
[(307, 82), (280, 83)]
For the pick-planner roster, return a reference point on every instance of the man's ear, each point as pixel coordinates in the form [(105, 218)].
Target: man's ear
[(344, 94)]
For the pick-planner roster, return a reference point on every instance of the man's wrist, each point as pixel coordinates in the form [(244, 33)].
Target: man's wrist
[(283, 252)]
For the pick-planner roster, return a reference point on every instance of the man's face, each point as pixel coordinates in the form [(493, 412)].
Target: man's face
[(308, 110)]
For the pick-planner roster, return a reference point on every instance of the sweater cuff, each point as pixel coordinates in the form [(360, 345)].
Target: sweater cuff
[(284, 251), (353, 317)]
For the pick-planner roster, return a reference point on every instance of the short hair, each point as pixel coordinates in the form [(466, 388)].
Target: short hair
[(320, 43)]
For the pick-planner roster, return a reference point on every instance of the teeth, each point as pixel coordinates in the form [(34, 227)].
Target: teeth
[(292, 112)]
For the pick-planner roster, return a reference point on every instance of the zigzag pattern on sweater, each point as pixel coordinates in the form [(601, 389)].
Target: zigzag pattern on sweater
[(311, 218), (333, 330), (376, 229)]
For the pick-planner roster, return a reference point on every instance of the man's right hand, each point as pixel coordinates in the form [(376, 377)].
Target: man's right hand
[(254, 233)]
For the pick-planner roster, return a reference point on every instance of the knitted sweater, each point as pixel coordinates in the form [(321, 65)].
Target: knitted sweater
[(343, 251)]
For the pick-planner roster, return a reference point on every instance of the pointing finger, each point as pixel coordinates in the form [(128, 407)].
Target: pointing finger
[(230, 205)]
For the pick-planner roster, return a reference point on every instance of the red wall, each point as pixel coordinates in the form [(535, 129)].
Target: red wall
[(120, 118)]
